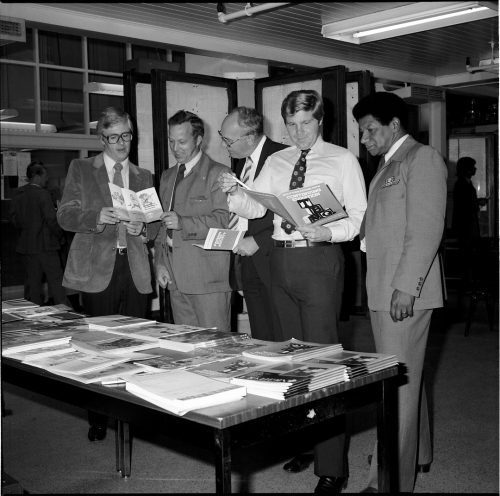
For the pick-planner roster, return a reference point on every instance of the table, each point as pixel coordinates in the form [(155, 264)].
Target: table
[(241, 422)]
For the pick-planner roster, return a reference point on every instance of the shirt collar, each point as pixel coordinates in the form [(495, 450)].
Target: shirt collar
[(394, 148), (189, 165), (255, 155), (110, 163)]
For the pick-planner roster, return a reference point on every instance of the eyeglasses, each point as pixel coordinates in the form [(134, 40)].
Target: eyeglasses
[(112, 139), (230, 142)]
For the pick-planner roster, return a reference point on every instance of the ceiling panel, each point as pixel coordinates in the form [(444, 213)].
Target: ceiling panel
[(297, 27)]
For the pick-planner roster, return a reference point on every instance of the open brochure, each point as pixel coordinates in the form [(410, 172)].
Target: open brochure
[(311, 205), (131, 205), (221, 239)]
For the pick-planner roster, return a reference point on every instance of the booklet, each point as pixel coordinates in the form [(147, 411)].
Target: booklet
[(311, 205), (115, 321), (141, 205), (221, 239)]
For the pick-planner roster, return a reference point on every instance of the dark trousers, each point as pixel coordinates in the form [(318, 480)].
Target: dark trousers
[(120, 297), (307, 285), (37, 264), (257, 290)]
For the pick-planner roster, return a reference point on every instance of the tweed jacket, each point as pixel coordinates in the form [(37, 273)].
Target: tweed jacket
[(34, 216), (404, 224), (200, 205), (92, 253)]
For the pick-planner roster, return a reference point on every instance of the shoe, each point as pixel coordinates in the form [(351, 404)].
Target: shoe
[(369, 489), (96, 433), (423, 469), (331, 485), (298, 463)]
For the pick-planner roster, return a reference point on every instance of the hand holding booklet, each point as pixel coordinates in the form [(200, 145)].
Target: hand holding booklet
[(131, 205)]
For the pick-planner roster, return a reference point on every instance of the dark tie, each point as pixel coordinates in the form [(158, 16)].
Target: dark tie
[(122, 231), (178, 179), (245, 176), (297, 181)]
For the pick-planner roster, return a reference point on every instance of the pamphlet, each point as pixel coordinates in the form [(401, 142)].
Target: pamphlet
[(311, 205), (131, 205), (221, 239)]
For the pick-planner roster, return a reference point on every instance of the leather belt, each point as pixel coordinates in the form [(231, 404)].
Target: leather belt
[(300, 243), (121, 251)]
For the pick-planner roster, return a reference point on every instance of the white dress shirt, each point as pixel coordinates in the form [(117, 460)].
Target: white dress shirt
[(326, 163)]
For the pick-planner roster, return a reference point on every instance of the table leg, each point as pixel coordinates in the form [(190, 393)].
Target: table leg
[(123, 448), (222, 461), (387, 429)]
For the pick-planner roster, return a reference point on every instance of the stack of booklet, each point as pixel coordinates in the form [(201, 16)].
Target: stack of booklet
[(107, 322), (293, 349), (180, 391), (202, 338), (109, 343), (286, 379), (358, 363)]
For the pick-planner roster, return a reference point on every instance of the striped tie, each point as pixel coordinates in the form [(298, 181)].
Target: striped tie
[(122, 231), (245, 176)]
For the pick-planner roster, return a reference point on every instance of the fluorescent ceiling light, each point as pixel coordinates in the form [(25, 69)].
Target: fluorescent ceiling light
[(27, 127), (420, 16), (105, 88)]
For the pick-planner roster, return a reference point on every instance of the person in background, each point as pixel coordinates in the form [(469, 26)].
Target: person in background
[(108, 258), (39, 236), (242, 133), (465, 218), (198, 280), (401, 234), (307, 265)]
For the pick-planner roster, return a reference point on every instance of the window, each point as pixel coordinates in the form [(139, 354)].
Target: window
[(60, 49), (18, 90), (19, 51), (105, 55)]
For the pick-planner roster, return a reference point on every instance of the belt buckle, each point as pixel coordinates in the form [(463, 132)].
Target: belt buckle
[(122, 251), (289, 243)]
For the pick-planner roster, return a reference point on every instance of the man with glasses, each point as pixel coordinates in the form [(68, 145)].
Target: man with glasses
[(242, 133), (108, 259), (307, 264), (198, 280)]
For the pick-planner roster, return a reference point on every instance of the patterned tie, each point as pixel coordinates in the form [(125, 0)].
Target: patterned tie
[(122, 231), (178, 179), (245, 176), (297, 181)]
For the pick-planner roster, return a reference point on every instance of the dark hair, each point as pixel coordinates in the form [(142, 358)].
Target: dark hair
[(383, 106), (464, 165), (302, 100), (110, 116), (183, 116), (250, 119), (35, 168)]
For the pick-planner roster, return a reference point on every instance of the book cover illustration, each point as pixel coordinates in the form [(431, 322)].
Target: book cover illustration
[(141, 205), (221, 239), (311, 205)]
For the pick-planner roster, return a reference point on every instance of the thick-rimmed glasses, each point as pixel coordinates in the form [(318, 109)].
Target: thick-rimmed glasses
[(112, 139), (230, 142)]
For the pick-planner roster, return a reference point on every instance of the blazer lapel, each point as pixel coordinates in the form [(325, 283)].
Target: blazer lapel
[(102, 179), (263, 156)]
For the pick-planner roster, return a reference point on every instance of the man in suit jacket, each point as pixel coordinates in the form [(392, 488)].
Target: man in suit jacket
[(403, 227), (242, 133), (198, 279), (39, 241), (109, 267)]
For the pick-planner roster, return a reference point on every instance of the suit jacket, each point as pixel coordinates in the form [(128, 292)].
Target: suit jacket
[(34, 215), (404, 224), (200, 204), (92, 253), (261, 228)]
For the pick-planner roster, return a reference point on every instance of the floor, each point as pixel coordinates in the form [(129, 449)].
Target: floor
[(39, 435)]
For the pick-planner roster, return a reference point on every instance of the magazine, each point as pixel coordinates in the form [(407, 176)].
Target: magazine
[(311, 205)]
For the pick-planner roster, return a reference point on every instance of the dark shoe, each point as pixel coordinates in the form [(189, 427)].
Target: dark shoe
[(369, 489), (299, 463), (96, 433), (330, 485)]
